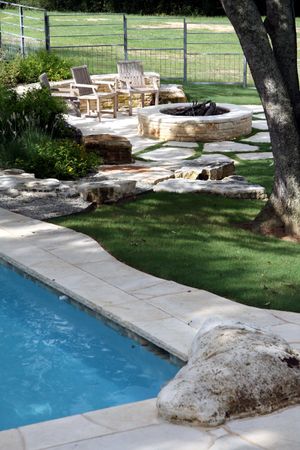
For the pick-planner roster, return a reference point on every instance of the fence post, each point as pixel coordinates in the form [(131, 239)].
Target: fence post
[(125, 37), (22, 38), (245, 82), (47, 31), (184, 50)]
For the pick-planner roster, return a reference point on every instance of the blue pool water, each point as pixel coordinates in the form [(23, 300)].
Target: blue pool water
[(57, 360)]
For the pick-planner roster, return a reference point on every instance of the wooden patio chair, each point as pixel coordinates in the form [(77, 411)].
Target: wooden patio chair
[(88, 90), (131, 81), (64, 94)]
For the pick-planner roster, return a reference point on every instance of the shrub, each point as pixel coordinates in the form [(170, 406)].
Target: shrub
[(31, 67), (36, 109), (60, 158), (28, 69)]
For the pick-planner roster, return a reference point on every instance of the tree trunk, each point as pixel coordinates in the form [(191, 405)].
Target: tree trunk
[(274, 70)]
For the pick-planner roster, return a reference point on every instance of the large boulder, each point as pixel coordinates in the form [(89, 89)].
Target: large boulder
[(234, 370), (214, 167), (113, 149), (106, 191), (234, 186)]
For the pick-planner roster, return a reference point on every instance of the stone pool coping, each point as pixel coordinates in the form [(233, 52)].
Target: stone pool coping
[(164, 312)]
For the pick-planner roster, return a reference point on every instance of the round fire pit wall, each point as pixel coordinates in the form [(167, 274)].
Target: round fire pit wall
[(154, 123)]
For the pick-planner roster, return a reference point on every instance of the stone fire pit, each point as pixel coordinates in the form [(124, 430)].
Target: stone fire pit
[(154, 123)]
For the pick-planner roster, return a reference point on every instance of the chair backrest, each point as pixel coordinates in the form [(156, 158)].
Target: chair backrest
[(132, 71), (44, 82), (82, 76)]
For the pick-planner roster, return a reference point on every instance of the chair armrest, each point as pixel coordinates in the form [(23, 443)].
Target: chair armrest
[(79, 85), (124, 81), (153, 79)]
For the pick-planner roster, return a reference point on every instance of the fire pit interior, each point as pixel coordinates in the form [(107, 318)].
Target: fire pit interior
[(205, 122), (207, 108)]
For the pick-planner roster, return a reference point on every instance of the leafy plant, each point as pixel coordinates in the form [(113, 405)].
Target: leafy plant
[(31, 67), (60, 158), (27, 70)]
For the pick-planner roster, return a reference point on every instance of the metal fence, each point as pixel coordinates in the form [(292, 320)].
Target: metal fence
[(194, 50), (22, 28)]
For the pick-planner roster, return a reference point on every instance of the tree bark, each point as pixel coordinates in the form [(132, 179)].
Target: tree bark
[(274, 70)]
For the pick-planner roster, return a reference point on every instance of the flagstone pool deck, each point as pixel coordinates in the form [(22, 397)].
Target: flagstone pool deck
[(166, 313)]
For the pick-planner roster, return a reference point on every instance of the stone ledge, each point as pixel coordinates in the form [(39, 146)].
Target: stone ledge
[(154, 123)]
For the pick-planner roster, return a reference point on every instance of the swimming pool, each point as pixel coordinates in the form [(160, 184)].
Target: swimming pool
[(57, 360)]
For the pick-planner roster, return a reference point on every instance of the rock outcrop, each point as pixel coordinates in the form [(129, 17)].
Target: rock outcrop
[(234, 186), (113, 149), (234, 370)]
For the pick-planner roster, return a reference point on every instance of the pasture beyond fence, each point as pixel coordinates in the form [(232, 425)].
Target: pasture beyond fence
[(194, 49)]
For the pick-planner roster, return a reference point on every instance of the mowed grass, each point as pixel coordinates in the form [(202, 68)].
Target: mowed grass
[(199, 240)]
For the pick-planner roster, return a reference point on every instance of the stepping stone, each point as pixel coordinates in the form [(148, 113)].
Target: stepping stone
[(228, 147), (168, 153), (181, 144), (142, 174), (260, 116), (233, 187), (260, 125), (255, 109), (255, 156), (263, 138), (207, 167)]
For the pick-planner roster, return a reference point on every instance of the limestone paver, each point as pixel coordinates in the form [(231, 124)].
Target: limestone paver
[(155, 437), (123, 126), (195, 307), (167, 287), (289, 317), (11, 440), (259, 116), (126, 417), (233, 443), (60, 431), (168, 153), (262, 137), (134, 312), (255, 109), (260, 125), (275, 431), (288, 331), (180, 144), (228, 147), (171, 334), (255, 156)]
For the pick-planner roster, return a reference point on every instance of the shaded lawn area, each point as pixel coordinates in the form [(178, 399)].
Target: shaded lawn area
[(193, 239)]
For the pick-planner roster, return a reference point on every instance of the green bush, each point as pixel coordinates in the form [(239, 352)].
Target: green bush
[(30, 126), (27, 70), (36, 109), (59, 158), (9, 71), (31, 67)]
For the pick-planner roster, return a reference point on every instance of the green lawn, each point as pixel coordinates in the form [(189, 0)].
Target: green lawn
[(198, 240)]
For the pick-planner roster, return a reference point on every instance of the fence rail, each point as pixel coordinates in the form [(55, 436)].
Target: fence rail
[(183, 49)]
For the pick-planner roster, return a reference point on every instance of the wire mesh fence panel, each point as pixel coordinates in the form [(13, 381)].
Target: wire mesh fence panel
[(92, 39), (100, 60), (158, 43), (195, 50), (213, 53), (22, 29)]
